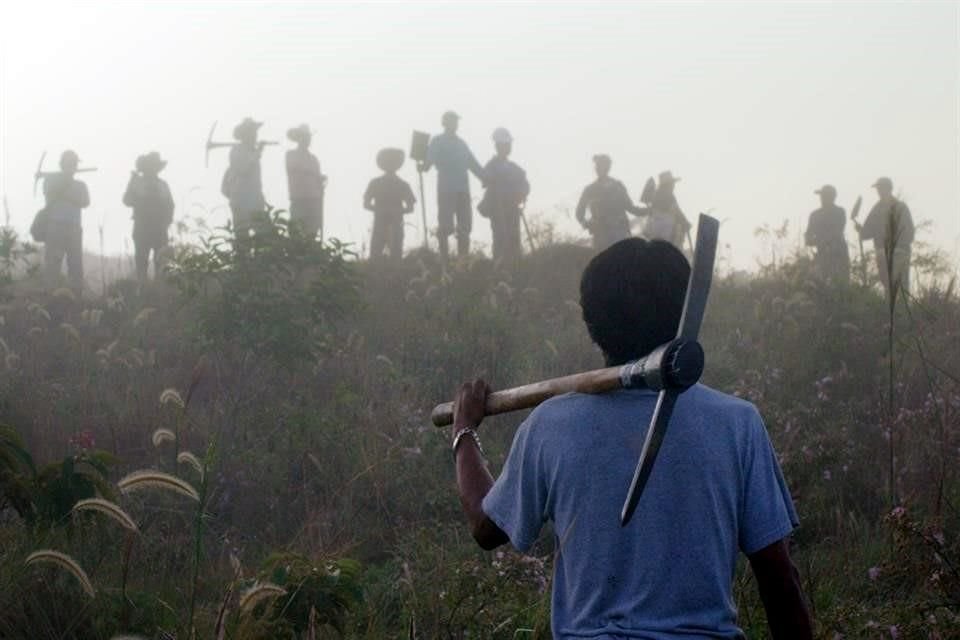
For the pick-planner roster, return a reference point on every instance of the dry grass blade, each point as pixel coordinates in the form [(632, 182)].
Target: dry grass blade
[(65, 562), (108, 509), (148, 479), (162, 435), (258, 592), (185, 457)]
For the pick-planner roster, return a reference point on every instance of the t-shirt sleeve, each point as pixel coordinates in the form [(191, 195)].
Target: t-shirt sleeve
[(517, 501), (767, 512)]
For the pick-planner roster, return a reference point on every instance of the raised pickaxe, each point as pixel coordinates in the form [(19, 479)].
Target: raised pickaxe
[(649, 189), (219, 145), (671, 369), (46, 174), (854, 214)]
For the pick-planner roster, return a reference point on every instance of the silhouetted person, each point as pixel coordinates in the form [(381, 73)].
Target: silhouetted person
[(242, 184), (305, 183), (825, 234), (153, 206), (453, 160), (666, 220), (66, 198), (890, 226), (389, 197), (506, 192), (608, 202)]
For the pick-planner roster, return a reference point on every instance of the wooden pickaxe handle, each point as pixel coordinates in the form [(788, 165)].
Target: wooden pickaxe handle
[(677, 364)]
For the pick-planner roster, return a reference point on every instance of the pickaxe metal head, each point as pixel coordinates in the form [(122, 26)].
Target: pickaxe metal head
[(39, 172), (206, 157), (649, 189), (683, 346)]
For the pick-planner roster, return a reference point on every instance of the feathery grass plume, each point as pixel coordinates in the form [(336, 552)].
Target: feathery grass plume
[(12, 361), (112, 347), (108, 509), (172, 396), (143, 316), (35, 332), (64, 293), (71, 331), (162, 435), (65, 562), (185, 457), (3, 345), (259, 591), (149, 479)]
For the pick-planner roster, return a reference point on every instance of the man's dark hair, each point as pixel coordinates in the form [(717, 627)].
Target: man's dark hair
[(632, 297)]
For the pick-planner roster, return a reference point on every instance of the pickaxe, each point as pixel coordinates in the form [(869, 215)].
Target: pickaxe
[(854, 214), (46, 174), (219, 145), (671, 369)]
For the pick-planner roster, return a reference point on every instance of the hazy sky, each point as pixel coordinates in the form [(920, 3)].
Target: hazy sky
[(754, 105)]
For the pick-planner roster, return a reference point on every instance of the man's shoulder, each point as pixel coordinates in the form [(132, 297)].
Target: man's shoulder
[(699, 399)]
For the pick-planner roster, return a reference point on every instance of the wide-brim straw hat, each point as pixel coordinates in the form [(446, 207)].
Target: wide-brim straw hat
[(667, 177), (151, 162), (390, 159), (248, 125), (299, 133)]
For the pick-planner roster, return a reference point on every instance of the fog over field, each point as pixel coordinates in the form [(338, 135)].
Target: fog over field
[(753, 105)]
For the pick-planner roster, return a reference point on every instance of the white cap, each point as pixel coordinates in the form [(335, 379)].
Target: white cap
[(501, 135)]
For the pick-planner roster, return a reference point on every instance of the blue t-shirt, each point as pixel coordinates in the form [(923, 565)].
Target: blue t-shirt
[(716, 489), (453, 159)]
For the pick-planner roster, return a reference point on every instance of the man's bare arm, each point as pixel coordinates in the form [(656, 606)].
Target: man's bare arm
[(473, 478), (779, 583)]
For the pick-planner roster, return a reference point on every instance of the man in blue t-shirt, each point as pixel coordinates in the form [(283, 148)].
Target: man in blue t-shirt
[(453, 159), (715, 491)]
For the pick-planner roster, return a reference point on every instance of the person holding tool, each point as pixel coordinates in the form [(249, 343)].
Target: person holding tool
[(453, 159), (504, 196), (242, 184), (608, 202), (62, 233), (152, 204), (665, 220), (717, 489)]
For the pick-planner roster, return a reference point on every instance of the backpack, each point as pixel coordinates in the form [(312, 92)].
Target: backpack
[(227, 184), (38, 230)]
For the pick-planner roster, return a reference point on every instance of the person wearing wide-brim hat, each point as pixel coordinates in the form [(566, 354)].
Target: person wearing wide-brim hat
[(666, 220), (242, 183), (608, 202), (890, 225), (825, 233), (152, 204), (390, 198), (305, 183)]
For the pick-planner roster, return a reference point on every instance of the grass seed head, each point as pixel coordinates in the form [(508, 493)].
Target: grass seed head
[(187, 458), (108, 509), (172, 396), (149, 479), (66, 563), (259, 591), (162, 435)]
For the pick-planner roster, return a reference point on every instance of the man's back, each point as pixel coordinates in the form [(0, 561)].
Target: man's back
[(389, 194), (716, 490)]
